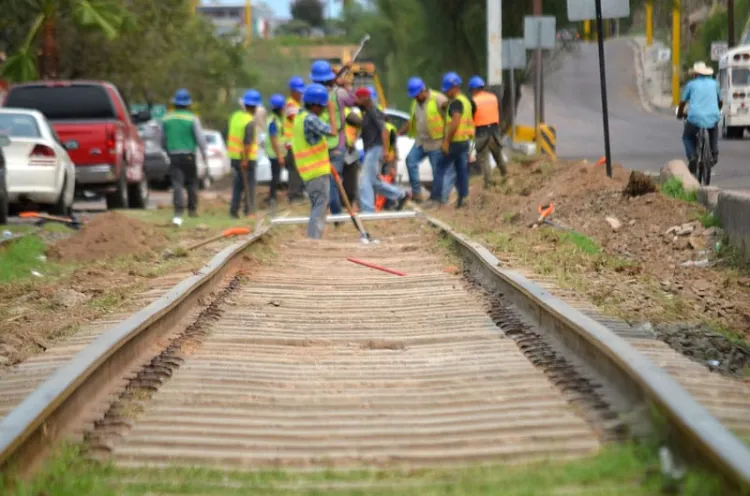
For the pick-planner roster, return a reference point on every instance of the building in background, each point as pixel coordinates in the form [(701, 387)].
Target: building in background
[(229, 19)]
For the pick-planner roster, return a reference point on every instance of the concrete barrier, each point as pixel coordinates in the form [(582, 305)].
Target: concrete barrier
[(678, 169), (708, 196), (733, 211)]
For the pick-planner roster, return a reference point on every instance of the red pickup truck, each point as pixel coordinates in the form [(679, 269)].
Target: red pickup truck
[(92, 120)]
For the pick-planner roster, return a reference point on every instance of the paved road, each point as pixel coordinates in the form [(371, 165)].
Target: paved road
[(641, 139)]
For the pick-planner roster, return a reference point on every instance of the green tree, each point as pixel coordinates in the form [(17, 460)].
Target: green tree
[(310, 11), (44, 17)]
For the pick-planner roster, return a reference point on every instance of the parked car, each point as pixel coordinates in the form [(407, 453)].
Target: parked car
[(156, 160), (92, 120), (263, 165), (4, 141), (218, 155), (38, 169)]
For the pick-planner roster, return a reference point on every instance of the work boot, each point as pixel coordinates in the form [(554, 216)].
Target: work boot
[(461, 203), (234, 215), (402, 201)]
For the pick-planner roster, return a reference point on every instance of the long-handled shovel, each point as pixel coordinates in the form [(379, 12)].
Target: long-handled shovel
[(364, 235)]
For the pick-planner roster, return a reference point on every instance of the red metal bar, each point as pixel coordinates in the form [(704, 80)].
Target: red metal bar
[(376, 267)]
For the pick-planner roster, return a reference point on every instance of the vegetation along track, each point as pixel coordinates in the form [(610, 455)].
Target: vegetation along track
[(310, 361)]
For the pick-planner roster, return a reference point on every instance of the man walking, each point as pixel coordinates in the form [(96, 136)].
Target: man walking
[(243, 152), (311, 155), (181, 135), (427, 127), (296, 190), (275, 144), (375, 136), (459, 132), (488, 138)]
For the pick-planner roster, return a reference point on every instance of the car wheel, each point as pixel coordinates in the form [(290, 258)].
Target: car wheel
[(119, 197), (138, 194), (60, 208), (3, 208)]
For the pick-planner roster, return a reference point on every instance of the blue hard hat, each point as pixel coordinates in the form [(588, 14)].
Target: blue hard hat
[(277, 101), (252, 98), (415, 86), (373, 93), (296, 83), (321, 72), (315, 94), (451, 80), (476, 82), (182, 98)]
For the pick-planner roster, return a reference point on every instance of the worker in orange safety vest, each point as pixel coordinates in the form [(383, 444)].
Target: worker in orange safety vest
[(488, 138)]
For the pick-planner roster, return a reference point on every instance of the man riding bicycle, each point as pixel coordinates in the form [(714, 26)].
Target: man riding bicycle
[(703, 98)]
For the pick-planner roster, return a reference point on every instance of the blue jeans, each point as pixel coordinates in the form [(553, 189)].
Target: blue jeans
[(317, 190), (413, 159), (690, 141), (457, 161), (370, 183), (337, 162)]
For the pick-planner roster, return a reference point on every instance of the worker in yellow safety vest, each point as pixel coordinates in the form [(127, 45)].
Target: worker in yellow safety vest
[(242, 145), (310, 148), (390, 165), (296, 190), (275, 144), (459, 131), (426, 125), (488, 135)]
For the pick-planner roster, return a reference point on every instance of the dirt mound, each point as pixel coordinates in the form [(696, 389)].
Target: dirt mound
[(108, 235)]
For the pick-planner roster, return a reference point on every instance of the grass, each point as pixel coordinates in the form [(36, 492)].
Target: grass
[(708, 220), (22, 257), (583, 243), (674, 188), (628, 468)]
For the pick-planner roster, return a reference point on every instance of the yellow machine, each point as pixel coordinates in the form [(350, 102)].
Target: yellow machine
[(363, 73)]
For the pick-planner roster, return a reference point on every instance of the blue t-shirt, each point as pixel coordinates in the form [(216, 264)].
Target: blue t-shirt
[(702, 95)]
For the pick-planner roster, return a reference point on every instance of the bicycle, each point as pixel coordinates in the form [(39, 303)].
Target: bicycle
[(703, 157)]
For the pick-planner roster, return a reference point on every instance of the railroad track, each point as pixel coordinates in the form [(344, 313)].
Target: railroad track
[(311, 362)]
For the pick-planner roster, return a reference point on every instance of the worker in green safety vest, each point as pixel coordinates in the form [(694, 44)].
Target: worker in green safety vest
[(276, 143), (181, 135)]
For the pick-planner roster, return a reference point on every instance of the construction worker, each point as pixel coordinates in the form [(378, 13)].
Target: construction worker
[(352, 158), (334, 115), (275, 144), (426, 126), (296, 190), (181, 135), (390, 165), (374, 138), (459, 132), (243, 152), (488, 138), (310, 149)]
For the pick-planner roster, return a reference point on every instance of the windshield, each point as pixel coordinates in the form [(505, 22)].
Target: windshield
[(211, 139), (741, 76), (19, 126), (59, 103)]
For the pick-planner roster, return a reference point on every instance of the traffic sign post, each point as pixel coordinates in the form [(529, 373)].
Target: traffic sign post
[(718, 49), (513, 57), (538, 34), (580, 10)]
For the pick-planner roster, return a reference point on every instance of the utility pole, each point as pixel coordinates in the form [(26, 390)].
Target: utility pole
[(248, 22), (650, 22), (494, 43), (676, 31), (538, 87), (730, 19)]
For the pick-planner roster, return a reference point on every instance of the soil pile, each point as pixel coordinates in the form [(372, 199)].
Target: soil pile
[(108, 235)]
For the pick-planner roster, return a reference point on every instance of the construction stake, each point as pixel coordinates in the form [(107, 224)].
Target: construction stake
[(376, 267)]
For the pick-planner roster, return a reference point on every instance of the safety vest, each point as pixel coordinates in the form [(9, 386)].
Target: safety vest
[(350, 131), (236, 139), (311, 160), (435, 120), (465, 130), (487, 109), (179, 131), (270, 152), (333, 141), (289, 124), (390, 127)]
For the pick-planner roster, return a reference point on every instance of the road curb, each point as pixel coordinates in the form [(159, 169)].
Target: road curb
[(733, 211)]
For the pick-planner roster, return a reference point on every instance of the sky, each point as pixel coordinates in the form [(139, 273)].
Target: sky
[(280, 7)]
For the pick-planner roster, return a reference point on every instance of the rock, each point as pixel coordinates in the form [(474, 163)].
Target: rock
[(708, 196), (678, 169), (672, 230), (713, 232), (697, 243), (69, 298), (639, 184), (632, 222), (701, 286), (4, 360), (613, 223)]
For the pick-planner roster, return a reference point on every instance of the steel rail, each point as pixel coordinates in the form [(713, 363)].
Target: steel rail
[(51, 409)]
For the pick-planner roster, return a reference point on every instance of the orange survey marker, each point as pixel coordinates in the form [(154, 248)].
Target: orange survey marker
[(234, 231), (601, 161), (71, 221), (544, 212)]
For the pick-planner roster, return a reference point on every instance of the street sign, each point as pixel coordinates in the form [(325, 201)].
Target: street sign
[(514, 53), (584, 10), (539, 32), (718, 49)]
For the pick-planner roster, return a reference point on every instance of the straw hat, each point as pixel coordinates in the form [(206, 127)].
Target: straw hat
[(702, 69)]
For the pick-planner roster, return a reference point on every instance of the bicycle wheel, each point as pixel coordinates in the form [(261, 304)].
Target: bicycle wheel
[(706, 161)]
